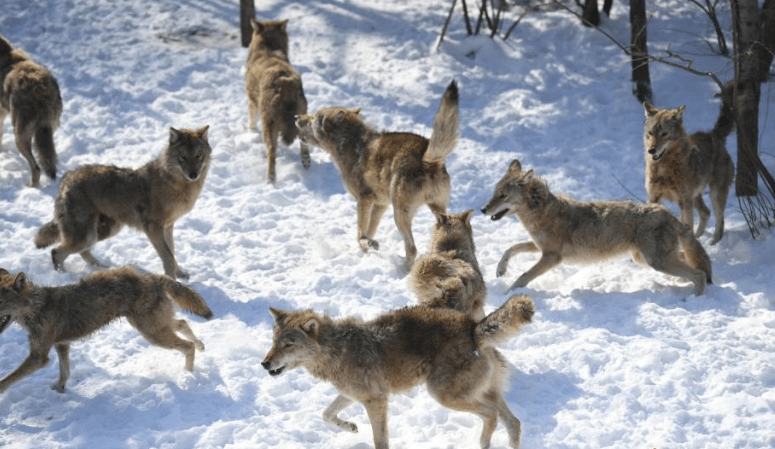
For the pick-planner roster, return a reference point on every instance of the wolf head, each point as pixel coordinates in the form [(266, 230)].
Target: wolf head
[(268, 36), (517, 189), (294, 342), (453, 232), (332, 128), (662, 127), (13, 290), (189, 153)]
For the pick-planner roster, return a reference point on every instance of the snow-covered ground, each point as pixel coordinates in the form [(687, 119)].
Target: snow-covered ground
[(618, 355)]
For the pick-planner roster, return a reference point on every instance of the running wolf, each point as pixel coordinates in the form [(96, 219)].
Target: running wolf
[(274, 90), (96, 201), (57, 316), (446, 350), (30, 94), (449, 275), (384, 168), (565, 230), (679, 165)]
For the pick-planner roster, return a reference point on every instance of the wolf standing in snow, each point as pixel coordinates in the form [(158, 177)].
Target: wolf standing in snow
[(274, 90), (30, 94), (57, 316), (449, 275), (448, 351), (564, 230), (384, 168), (679, 165), (95, 201)]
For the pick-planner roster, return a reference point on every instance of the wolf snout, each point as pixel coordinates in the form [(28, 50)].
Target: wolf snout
[(265, 364), (652, 150)]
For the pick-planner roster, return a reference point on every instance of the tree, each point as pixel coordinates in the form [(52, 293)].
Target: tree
[(247, 11), (639, 51)]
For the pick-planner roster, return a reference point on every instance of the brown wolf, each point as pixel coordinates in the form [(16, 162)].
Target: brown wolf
[(274, 90), (96, 201), (449, 275), (383, 168), (451, 353), (679, 165), (564, 230), (30, 94), (57, 316)]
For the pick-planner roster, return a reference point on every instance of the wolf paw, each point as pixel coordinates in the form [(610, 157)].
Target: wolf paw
[(181, 274), (367, 244), (58, 387), (348, 427)]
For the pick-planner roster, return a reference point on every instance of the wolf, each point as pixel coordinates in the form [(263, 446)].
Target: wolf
[(274, 90), (384, 168), (449, 276), (565, 230), (448, 351), (57, 316), (30, 93), (95, 201), (679, 165)]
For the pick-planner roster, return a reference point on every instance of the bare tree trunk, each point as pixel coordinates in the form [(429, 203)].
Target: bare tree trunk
[(745, 26), (591, 14), (639, 51), (767, 48), (247, 11), (607, 7)]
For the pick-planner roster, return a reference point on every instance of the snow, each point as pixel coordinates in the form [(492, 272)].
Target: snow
[(618, 355)]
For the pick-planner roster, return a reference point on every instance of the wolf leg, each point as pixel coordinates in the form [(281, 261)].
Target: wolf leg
[(182, 327), (155, 234), (24, 144), (365, 212), (377, 410), (78, 237), (63, 353), (544, 264), (89, 258), (37, 359), (331, 412), (487, 412), (687, 212), (159, 331), (170, 240), (719, 190), (513, 426), (703, 212), (376, 215), (306, 160), (3, 113), (270, 140), (403, 218), (673, 265), (503, 265)]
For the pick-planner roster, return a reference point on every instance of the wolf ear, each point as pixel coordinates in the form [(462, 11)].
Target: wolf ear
[(311, 326), (651, 111), (679, 112), (4, 272), (202, 132), (256, 25), (339, 117), (174, 135), (357, 111), (530, 175), (466, 216), (20, 281), (278, 315), (515, 166), (283, 24)]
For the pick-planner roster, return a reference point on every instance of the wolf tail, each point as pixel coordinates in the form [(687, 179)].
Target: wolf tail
[(725, 123), (290, 106), (47, 234), (695, 254), (186, 297), (505, 321), (445, 127), (44, 147)]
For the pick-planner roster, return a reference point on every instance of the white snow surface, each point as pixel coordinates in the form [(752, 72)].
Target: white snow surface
[(618, 355)]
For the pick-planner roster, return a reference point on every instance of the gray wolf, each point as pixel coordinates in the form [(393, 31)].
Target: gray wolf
[(95, 201), (30, 93), (565, 230), (274, 90), (57, 316), (384, 168), (448, 351), (449, 275), (679, 165)]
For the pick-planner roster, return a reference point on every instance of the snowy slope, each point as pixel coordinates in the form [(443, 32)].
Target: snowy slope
[(618, 355)]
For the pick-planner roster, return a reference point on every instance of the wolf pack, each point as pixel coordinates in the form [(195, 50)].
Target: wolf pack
[(446, 342)]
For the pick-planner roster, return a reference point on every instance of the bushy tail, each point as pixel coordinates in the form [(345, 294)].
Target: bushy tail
[(290, 91), (725, 123), (445, 127), (694, 253), (505, 321), (47, 234), (186, 297), (44, 147)]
